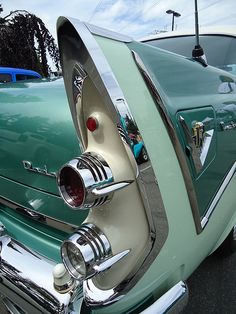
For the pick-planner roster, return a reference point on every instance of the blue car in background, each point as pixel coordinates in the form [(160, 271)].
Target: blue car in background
[(16, 74), (135, 141)]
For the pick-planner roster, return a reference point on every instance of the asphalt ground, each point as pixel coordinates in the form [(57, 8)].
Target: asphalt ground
[(212, 286)]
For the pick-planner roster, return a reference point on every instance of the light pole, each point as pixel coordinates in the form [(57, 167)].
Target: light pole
[(174, 14)]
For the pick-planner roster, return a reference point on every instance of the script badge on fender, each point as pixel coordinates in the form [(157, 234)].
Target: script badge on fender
[(44, 171)]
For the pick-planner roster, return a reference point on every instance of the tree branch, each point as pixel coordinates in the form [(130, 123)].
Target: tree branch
[(16, 11)]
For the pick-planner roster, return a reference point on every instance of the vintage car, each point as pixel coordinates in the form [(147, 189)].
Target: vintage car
[(16, 74), (85, 228)]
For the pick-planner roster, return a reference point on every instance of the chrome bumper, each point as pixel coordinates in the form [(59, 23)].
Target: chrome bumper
[(173, 301), (26, 280)]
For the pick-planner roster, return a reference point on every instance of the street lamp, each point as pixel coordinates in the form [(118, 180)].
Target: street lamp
[(174, 14)]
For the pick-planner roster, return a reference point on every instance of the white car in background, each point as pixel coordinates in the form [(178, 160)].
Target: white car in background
[(219, 44)]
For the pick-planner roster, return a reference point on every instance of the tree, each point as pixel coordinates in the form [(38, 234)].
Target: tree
[(25, 42)]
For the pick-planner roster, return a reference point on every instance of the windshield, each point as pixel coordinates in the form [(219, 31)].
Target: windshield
[(220, 51)]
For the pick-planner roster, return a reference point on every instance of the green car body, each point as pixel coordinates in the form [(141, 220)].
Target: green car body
[(159, 219)]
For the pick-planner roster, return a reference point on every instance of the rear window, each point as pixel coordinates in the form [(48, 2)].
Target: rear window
[(4, 78), (220, 51), (23, 77)]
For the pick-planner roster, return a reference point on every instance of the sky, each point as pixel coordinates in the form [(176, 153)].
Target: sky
[(137, 18)]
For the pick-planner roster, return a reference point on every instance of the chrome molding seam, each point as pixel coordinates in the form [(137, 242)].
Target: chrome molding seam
[(94, 63), (60, 225), (96, 30), (26, 278), (170, 300), (218, 195), (175, 141)]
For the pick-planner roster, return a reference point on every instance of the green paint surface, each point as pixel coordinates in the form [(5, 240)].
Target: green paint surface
[(36, 125), (183, 250), (198, 93)]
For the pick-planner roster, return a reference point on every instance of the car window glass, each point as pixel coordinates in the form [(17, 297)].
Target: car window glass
[(21, 77), (219, 50), (4, 78)]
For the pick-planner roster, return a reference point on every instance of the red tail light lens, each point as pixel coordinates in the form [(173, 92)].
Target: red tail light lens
[(92, 124), (72, 186)]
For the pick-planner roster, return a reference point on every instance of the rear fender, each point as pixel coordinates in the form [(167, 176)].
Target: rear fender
[(130, 219)]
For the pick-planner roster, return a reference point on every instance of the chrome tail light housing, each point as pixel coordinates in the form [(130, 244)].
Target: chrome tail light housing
[(83, 250), (88, 252), (81, 178)]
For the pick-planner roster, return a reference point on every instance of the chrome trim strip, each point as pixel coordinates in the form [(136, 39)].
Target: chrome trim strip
[(89, 55), (60, 225), (169, 300), (26, 277), (206, 145), (175, 141), (218, 195), (96, 30)]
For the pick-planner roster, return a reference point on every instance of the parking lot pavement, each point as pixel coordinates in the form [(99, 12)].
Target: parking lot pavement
[(3, 309), (212, 287)]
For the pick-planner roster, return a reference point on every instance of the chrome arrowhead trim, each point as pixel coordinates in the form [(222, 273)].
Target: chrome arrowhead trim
[(110, 261), (110, 188)]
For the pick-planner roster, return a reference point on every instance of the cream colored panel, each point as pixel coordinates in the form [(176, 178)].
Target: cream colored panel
[(123, 220)]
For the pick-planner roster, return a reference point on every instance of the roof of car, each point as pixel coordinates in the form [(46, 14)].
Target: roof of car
[(18, 71), (219, 30)]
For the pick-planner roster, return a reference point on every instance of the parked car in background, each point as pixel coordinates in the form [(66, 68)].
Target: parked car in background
[(219, 44), (85, 227), (15, 74)]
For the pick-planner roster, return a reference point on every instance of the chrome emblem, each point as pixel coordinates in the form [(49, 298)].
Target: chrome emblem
[(202, 140), (78, 78), (199, 142), (78, 83), (198, 134), (44, 171)]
